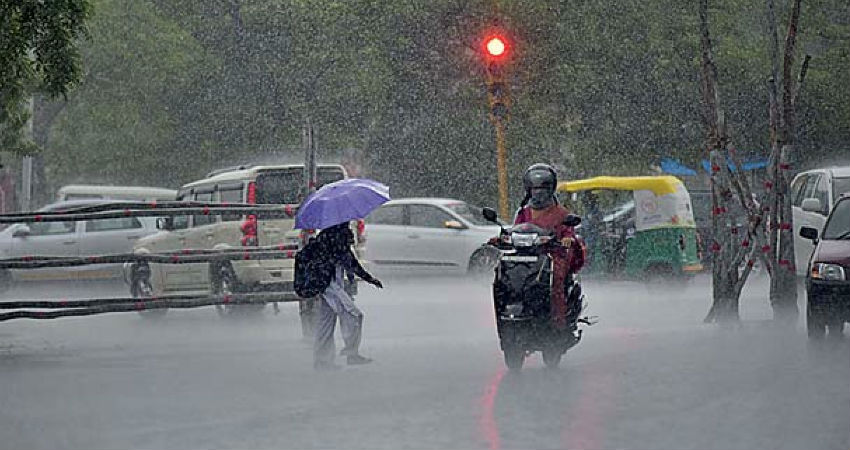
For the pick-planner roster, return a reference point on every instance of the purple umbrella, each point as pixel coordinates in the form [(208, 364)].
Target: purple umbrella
[(342, 201)]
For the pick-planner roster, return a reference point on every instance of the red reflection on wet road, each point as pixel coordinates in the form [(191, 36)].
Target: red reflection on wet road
[(487, 425), (585, 420)]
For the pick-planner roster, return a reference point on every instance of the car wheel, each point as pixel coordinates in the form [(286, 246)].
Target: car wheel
[(5, 280), (483, 261), (141, 288), (836, 329), (815, 325), (226, 283)]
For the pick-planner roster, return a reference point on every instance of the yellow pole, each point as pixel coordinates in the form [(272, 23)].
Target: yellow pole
[(502, 165)]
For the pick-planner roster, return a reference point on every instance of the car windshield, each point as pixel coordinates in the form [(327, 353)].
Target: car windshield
[(840, 186), (471, 213), (287, 186), (838, 225)]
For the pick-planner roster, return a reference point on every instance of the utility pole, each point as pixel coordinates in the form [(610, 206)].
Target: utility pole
[(26, 166), (306, 308)]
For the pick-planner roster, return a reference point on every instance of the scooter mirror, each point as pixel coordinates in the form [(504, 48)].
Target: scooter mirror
[(489, 214), (572, 220)]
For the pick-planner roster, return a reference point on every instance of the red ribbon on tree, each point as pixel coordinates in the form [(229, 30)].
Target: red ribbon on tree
[(765, 249), (768, 184), (715, 247), (750, 263), (785, 166), (745, 243), (785, 226)]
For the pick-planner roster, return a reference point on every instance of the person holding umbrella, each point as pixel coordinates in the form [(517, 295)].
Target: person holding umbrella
[(330, 209), (334, 244)]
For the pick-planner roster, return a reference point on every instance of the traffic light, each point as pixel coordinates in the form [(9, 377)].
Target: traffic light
[(496, 49), (496, 54), (495, 46)]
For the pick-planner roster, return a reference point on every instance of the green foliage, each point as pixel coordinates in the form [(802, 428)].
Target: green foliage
[(173, 89), (38, 53), (126, 112)]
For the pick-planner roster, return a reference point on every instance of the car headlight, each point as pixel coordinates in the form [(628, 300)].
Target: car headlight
[(828, 272)]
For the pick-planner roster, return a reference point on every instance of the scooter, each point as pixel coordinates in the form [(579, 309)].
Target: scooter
[(521, 295)]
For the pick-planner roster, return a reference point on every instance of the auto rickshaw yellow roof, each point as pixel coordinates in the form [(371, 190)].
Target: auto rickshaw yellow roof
[(659, 185)]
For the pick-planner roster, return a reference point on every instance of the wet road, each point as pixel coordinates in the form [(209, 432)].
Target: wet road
[(649, 375)]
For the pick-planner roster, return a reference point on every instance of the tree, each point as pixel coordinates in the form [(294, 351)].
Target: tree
[(38, 53), (767, 230)]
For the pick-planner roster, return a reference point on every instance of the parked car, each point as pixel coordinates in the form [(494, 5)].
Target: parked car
[(827, 282), (81, 238), (130, 193), (279, 184), (429, 236), (813, 193)]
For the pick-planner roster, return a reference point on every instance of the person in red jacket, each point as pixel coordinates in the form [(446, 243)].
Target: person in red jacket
[(541, 208)]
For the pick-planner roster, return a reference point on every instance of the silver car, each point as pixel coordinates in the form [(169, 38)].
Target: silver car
[(81, 238), (429, 236)]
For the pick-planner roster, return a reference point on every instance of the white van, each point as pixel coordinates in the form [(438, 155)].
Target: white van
[(106, 192), (262, 185), (813, 193)]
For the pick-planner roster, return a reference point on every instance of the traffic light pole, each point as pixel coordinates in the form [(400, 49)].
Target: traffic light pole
[(502, 166), (495, 51)]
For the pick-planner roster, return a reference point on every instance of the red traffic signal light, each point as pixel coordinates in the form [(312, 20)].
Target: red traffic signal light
[(495, 46)]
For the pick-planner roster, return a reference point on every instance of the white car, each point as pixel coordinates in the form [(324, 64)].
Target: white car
[(82, 238), (813, 194), (429, 236)]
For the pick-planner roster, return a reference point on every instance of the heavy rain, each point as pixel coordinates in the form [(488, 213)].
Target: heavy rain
[(437, 224)]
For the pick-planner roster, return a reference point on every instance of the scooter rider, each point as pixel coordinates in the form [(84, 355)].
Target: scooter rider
[(541, 208)]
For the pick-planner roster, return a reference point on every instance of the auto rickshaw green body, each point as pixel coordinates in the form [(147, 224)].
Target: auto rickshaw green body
[(658, 239)]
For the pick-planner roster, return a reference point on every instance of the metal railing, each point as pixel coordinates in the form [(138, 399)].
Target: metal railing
[(85, 307)]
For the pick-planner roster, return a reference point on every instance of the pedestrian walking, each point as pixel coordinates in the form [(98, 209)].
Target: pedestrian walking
[(334, 244)]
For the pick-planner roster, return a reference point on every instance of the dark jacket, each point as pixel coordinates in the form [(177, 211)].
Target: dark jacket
[(333, 246)]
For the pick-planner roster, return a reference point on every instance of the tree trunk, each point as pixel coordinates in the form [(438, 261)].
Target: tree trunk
[(724, 270), (783, 285)]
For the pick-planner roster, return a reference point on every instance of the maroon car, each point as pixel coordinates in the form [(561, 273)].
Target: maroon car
[(827, 282)]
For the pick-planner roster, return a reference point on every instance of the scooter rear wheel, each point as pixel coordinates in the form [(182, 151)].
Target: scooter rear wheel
[(552, 357)]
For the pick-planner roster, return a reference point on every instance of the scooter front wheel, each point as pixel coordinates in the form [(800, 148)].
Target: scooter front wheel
[(514, 357)]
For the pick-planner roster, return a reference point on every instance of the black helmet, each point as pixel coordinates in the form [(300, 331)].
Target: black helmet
[(539, 182)]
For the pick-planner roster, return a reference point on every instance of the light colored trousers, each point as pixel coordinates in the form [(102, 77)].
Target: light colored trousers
[(332, 303)]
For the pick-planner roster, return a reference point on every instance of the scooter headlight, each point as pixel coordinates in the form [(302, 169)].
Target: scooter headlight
[(514, 309), (523, 239)]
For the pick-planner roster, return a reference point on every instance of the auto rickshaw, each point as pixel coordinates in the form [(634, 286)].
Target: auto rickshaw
[(645, 230)]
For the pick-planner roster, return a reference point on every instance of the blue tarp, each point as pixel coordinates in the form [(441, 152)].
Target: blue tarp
[(750, 164), (674, 167)]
